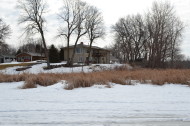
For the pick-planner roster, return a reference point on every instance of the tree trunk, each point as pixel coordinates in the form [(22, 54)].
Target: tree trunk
[(68, 59), (73, 55), (88, 59), (45, 47)]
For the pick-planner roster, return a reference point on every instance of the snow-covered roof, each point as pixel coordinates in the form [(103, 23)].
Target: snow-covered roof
[(87, 46), (11, 56), (36, 54)]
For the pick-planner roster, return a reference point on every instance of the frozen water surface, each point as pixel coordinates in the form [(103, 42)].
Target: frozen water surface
[(138, 105)]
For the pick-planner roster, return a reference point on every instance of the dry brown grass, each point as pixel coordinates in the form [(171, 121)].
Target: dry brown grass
[(4, 66), (124, 77), (29, 83), (13, 78)]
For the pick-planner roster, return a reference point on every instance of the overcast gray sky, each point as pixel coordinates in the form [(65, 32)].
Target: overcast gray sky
[(112, 10)]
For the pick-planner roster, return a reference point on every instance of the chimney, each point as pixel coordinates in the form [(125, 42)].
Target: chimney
[(81, 43)]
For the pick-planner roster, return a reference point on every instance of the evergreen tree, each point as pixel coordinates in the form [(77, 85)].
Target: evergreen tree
[(61, 54), (53, 54), (18, 51)]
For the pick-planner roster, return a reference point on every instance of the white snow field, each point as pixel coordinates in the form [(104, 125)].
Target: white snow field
[(39, 68), (137, 105)]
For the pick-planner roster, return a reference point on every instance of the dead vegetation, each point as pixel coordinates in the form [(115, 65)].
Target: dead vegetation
[(124, 77), (4, 66)]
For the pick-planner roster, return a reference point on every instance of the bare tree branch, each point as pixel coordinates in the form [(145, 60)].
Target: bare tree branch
[(32, 17)]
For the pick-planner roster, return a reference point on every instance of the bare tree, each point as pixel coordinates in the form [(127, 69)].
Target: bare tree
[(175, 32), (33, 17), (164, 29), (79, 19), (32, 45), (69, 18), (6, 49), (82, 15), (95, 26), (130, 33), (122, 39), (4, 33), (155, 36)]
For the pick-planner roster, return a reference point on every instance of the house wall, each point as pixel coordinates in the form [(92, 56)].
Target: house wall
[(24, 57), (108, 57), (6, 59), (65, 53), (1, 60), (81, 57)]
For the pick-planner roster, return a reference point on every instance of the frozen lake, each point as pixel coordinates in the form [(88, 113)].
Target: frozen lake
[(138, 105)]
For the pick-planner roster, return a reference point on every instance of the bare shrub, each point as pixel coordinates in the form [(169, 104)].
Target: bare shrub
[(119, 81), (79, 82), (29, 83), (84, 80), (12, 78), (45, 79)]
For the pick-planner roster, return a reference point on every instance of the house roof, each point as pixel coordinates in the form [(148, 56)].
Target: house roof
[(32, 54), (11, 56), (87, 46)]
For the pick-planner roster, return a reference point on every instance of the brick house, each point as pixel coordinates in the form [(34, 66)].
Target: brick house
[(98, 55), (26, 57)]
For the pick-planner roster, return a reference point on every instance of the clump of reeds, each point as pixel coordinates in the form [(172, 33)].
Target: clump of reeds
[(118, 76)]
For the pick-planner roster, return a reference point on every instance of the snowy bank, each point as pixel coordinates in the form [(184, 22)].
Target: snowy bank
[(137, 105), (39, 69)]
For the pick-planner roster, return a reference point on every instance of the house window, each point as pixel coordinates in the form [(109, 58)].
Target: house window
[(87, 50), (27, 57), (78, 50)]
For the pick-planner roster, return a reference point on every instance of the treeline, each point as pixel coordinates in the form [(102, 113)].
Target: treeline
[(55, 55), (4, 33), (152, 38), (77, 19)]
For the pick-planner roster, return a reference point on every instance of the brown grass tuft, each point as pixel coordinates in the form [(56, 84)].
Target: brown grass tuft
[(29, 83), (119, 80), (124, 77), (79, 82)]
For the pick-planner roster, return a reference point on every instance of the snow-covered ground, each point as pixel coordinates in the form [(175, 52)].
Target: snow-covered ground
[(39, 68), (137, 105), (14, 62)]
